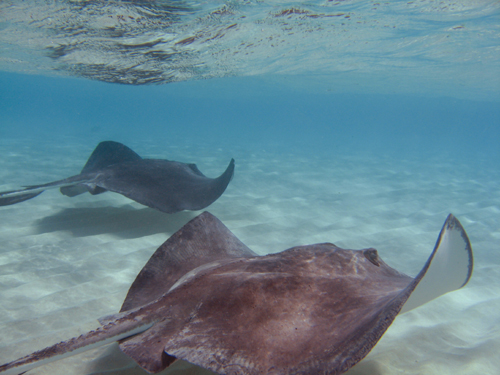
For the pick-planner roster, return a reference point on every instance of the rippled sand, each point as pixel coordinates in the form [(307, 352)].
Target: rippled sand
[(64, 262)]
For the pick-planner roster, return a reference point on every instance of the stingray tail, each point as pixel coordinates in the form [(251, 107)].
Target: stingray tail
[(448, 268), (115, 330), (16, 196), (105, 154)]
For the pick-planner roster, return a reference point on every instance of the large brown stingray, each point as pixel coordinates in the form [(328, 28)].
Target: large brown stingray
[(208, 299), (168, 186)]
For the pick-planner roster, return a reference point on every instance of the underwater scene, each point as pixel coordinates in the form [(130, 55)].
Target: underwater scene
[(233, 131)]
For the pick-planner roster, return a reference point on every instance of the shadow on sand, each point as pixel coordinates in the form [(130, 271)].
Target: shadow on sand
[(124, 222)]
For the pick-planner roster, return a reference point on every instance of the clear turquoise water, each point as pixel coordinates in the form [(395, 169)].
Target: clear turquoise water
[(355, 122), (397, 78), (235, 113)]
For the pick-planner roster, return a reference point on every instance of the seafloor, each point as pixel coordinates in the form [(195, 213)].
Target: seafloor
[(64, 262)]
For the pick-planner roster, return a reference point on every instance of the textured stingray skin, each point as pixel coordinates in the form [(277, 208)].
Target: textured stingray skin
[(165, 185), (206, 298)]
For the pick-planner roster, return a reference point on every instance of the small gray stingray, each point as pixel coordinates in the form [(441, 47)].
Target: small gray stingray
[(168, 186), (206, 298)]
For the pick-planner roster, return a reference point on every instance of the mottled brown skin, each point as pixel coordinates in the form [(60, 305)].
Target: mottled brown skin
[(313, 309), (208, 299), (201, 241), (310, 309)]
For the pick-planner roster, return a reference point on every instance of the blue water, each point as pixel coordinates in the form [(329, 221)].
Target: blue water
[(350, 121), (247, 113), (406, 79)]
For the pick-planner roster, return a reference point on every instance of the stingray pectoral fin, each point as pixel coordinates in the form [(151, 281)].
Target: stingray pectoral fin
[(147, 348), (203, 240), (228, 173), (449, 267), (198, 193), (213, 190), (73, 190), (109, 153)]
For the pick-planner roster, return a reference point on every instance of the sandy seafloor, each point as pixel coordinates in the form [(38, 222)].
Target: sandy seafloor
[(364, 130), (358, 170), (64, 262)]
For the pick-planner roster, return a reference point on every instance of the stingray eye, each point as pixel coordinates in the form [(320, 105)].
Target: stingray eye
[(372, 256)]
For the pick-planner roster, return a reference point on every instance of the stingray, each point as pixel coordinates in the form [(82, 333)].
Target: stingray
[(206, 298), (165, 185)]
